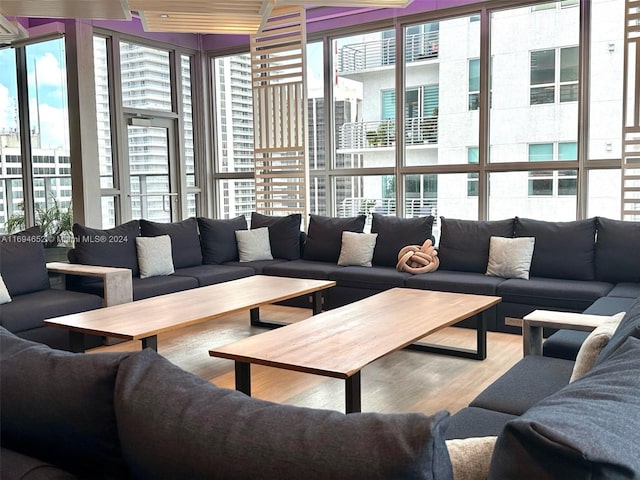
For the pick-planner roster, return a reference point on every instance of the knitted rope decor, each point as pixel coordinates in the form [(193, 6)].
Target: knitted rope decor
[(418, 259)]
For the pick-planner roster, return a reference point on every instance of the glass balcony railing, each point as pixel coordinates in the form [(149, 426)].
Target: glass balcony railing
[(382, 133), (413, 207), (361, 57)]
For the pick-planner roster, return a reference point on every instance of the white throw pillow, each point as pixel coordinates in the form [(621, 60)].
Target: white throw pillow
[(471, 457), (4, 293), (593, 345), (154, 256), (253, 245), (510, 257), (357, 249)]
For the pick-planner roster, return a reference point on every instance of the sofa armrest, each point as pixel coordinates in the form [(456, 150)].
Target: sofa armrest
[(533, 324), (117, 281)]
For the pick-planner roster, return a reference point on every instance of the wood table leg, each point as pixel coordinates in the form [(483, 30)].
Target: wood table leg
[(150, 342), (243, 377), (353, 394), (531, 339)]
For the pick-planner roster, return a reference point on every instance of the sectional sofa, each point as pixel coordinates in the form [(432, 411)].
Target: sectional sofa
[(135, 415)]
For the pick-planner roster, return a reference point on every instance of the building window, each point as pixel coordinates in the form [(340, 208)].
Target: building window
[(473, 177), (544, 78), (553, 182), (554, 5), (474, 84)]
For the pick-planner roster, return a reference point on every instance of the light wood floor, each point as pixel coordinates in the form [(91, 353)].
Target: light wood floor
[(404, 381)]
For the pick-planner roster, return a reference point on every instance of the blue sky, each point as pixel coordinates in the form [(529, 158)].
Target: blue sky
[(47, 59)]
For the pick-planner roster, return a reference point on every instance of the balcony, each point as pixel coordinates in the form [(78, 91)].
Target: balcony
[(367, 56), (382, 133), (413, 207)]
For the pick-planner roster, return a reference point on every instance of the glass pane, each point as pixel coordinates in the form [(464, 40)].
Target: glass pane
[(529, 194), (568, 151), (541, 152), (525, 96), (234, 113), (47, 84), (103, 111), (355, 195), (603, 198), (569, 64), (472, 155), (543, 67), (607, 70), (145, 77), (441, 126), (317, 122), (192, 204), (569, 93), (189, 160), (149, 173), (364, 99), (108, 212), (236, 197), (318, 196), (11, 197)]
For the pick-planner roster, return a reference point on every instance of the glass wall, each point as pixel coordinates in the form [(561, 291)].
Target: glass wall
[(48, 153)]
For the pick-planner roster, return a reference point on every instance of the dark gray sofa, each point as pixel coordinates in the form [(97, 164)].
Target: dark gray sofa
[(24, 271), (550, 428), (574, 264), (120, 416)]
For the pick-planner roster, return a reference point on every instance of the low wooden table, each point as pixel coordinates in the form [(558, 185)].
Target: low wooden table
[(145, 319), (340, 342)]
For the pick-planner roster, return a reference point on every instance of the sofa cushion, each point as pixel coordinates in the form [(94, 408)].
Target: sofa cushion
[(617, 259), (526, 383), (589, 429), (218, 238), (610, 305), (284, 233), (113, 247), (58, 407), (629, 327), (15, 465), (573, 295), (376, 278), (394, 233), (303, 269), (625, 290), (258, 267), (27, 311), (563, 249), (457, 282), (154, 286), (464, 244), (185, 243), (324, 237), (476, 422), (564, 344), (212, 274), (201, 431), (23, 267)]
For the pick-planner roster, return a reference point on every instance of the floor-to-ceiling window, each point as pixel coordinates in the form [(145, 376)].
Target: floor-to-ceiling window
[(36, 171)]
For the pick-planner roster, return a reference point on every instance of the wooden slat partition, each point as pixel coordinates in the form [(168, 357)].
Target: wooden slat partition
[(631, 116), (278, 64)]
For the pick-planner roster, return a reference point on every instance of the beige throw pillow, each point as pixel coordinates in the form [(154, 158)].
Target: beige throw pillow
[(4, 293), (510, 257), (593, 345), (357, 249), (253, 245), (154, 256), (470, 457)]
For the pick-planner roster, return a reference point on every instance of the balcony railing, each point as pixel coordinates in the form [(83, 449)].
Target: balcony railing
[(360, 57), (413, 207), (378, 134)]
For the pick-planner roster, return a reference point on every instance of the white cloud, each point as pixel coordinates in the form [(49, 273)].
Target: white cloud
[(6, 109), (49, 71), (54, 125)]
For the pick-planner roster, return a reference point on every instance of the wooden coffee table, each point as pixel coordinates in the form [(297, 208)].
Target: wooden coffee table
[(340, 342), (145, 319)]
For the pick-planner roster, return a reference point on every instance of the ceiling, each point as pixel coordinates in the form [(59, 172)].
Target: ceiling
[(190, 16)]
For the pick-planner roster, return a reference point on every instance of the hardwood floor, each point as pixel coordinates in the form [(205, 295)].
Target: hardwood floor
[(404, 381)]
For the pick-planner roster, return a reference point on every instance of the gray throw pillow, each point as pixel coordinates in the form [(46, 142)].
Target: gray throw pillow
[(510, 257), (357, 249), (154, 256), (4, 293), (173, 424), (253, 245)]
